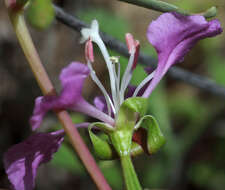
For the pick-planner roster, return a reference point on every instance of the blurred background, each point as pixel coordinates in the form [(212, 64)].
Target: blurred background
[(192, 120)]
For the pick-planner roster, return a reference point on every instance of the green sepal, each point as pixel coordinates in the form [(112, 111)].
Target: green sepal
[(155, 138), (103, 127), (130, 110), (136, 104), (103, 149), (40, 13), (136, 149)]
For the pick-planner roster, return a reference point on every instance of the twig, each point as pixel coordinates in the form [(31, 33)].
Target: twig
[(201, 82), (162, 6)]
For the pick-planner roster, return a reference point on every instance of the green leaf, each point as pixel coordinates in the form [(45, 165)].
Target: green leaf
[(155, 138), (40, 13), (102, 147)]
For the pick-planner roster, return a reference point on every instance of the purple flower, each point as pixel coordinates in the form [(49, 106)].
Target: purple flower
[(72, 79), (22, 160), (173, 35)]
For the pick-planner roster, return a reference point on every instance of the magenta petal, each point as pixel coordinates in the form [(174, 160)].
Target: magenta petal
[(72, 79), (173, 35), (22, 160), (131, 89), (100, 103)]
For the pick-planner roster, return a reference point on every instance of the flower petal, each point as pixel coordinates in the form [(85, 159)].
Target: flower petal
[(100, 103), (22, 160), (72, 78), (173, 35), (131, 89)]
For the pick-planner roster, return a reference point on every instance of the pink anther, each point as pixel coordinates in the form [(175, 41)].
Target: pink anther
[(133, 48), (89, 51), (130, 43), (136, 54)]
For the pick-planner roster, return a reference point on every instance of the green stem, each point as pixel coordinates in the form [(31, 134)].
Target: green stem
[(46, 86), (162, 6), (130, 176)]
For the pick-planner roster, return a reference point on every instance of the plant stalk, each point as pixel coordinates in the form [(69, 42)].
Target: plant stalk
[(131, 180), (47, 88), (162, 6)]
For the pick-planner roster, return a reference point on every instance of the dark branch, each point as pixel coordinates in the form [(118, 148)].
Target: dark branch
[(175, 72)]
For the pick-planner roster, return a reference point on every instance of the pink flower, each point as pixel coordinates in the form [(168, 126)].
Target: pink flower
[(172, 35)]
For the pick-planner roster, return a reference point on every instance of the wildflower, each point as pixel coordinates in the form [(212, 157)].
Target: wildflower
[(171, 34), (22, 160)]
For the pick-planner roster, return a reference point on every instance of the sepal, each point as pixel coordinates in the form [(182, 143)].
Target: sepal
[(150, 136), (103, 149), (136, 149), (130, 111)]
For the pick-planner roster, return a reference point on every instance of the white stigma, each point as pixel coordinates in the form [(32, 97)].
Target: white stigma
[(90, 33)]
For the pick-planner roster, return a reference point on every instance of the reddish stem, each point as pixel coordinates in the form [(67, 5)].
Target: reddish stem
[(47, 88)]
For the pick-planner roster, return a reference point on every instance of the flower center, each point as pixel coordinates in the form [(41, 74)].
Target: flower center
[(118, 85)]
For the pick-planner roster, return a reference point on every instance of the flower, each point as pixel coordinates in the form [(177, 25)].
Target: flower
[(72, 79), (171, 34), (22, 160)]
